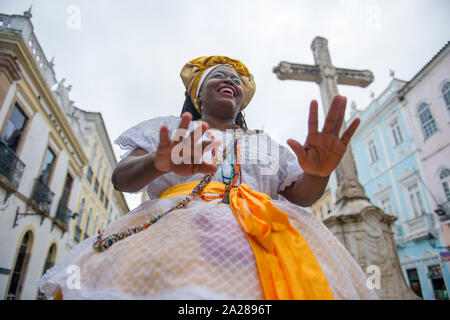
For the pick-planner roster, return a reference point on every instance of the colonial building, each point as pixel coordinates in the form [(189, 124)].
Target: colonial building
[(45, 149), (101, 203), (401, 156)]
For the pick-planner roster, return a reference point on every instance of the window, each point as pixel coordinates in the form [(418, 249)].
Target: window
[(414, 281), (426, 120), (321, 213), (88, 222), (445, 181), (437, 282), (49, 263), (96, 185), (20, 267), (373, 151), (386, 205), (47, 167), (416, 200), (396, 132), (328, 208), (14, 128), (66, 190), (446, 94), (89, 174)]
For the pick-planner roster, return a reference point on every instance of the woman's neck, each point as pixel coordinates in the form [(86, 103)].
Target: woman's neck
[(219, 124)]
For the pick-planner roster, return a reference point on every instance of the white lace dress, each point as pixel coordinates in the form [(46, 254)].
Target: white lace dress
[(200, 251)]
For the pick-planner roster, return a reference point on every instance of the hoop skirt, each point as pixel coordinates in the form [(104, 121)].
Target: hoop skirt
[(197, 252)]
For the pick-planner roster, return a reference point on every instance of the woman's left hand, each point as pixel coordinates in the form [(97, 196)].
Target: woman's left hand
[(323, 150)]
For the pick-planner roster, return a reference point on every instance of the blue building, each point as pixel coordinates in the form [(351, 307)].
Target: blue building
[(390, 169)]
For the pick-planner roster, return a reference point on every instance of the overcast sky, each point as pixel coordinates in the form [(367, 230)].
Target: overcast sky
[(123, 58)]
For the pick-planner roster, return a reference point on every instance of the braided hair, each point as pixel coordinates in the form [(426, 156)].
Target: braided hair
[(188, 106)]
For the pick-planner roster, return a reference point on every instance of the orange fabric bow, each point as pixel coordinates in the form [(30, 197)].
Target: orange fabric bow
[(286, 264)]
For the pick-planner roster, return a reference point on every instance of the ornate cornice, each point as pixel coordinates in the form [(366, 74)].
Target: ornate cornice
[(9, 65)]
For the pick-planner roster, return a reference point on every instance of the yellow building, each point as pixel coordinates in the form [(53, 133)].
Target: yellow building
[(324, 206), (99, 203)]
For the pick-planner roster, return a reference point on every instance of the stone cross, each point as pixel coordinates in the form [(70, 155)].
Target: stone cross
[(328, 77), (364, 229)]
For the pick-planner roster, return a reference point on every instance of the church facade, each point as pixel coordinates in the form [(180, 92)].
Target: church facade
[(46, 144), (402, 165)]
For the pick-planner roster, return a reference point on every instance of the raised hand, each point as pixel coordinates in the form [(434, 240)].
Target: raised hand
[(170, 152), (323, 150)]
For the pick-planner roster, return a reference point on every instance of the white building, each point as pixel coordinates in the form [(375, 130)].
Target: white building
[(45, 144)]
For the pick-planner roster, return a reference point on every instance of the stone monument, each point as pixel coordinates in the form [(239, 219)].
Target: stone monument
[(363, 228)]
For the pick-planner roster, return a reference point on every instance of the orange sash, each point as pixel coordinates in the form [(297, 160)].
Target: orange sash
[(286, 264)]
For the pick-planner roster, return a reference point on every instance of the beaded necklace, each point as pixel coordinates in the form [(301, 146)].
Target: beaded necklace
[(101, 245), (235, 169)]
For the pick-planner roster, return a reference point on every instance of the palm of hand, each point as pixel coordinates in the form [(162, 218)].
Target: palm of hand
[(323, 150), (170, 153)]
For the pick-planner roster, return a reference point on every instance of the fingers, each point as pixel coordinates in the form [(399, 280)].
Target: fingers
[(186, 117), (350, 131), (332, 115), (313, 122), (164, 136), (298, 149), (164, 141)]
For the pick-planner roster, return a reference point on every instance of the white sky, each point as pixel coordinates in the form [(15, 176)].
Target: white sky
[(124, 57)]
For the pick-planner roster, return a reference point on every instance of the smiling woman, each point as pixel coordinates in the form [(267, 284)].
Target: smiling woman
[(218, 226)]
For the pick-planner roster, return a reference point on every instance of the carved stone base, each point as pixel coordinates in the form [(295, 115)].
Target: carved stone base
[(365, 230)]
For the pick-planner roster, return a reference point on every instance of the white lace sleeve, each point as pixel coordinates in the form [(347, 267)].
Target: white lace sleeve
[(289, 170), (145, 135)]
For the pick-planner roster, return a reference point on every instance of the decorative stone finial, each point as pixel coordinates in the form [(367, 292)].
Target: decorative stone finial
[(28, 12), (391, 73)]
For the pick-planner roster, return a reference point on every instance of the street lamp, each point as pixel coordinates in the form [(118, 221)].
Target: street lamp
[(44, 207), (432, 239)]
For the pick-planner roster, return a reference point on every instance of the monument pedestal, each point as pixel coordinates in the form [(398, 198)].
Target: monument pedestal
[(365, 230)]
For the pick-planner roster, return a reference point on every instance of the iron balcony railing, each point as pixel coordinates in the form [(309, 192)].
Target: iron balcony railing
[(63, 213), (42, 192), (10, 165)]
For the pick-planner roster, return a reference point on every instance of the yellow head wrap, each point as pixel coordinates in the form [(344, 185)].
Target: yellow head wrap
[(193, 70)]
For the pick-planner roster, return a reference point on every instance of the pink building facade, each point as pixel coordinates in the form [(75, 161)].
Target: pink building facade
[(426, 105)]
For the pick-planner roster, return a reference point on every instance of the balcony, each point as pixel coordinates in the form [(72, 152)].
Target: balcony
[(63, 213), (42, 192), (419, 227), (10, 166)]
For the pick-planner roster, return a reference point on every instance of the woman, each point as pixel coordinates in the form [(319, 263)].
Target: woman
[(224, 218)]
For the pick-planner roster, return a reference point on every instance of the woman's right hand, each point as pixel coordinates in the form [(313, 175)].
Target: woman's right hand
[(170, 155)]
